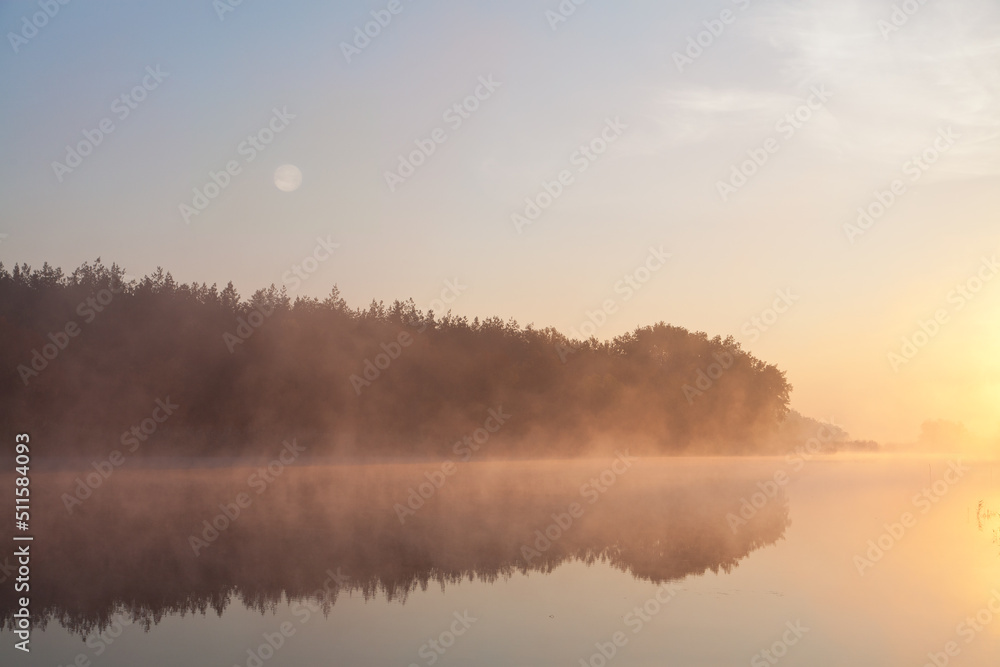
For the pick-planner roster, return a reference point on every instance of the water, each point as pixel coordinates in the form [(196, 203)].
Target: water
[(655, 550)]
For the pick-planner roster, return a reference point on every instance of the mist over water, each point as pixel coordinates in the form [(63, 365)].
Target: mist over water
[(499, 334), (185, 540), (745, 546)]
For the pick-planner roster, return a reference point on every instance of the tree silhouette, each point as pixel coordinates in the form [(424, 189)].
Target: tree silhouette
[(248, 371)]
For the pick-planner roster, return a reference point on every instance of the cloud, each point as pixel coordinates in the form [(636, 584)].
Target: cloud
[(892, 90), (896, 87)]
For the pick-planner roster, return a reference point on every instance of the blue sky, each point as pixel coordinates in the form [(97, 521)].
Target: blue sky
[(891, 92)]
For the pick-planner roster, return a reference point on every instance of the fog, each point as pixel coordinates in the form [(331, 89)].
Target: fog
[(214, 375), (145, 532)]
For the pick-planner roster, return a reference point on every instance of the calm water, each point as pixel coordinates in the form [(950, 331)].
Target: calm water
[(655, 555)]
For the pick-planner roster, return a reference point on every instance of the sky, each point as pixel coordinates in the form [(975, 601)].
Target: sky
[(836, 162)]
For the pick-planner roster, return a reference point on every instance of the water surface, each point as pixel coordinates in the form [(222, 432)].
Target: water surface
[(689, 561)]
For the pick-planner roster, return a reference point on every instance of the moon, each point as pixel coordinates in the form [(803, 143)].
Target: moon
[(287, 178)]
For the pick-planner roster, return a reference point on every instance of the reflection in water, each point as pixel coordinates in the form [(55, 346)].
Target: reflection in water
[(988, 521), (128, 548)]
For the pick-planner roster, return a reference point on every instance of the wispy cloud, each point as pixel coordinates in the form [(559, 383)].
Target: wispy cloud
[(895, 86), (892, 89)]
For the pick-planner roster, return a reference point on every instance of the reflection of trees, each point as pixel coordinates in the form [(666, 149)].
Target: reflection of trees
[(126, 549), (293, 374)]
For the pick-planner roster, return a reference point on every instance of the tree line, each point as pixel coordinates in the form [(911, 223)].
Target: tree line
[(89, 356)]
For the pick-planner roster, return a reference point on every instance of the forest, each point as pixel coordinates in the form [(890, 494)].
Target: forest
[(95, 362)]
